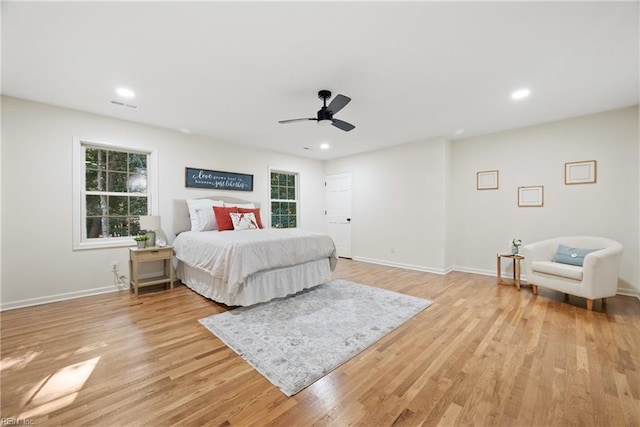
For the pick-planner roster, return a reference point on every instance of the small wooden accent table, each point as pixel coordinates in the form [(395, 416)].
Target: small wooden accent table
[(137, 256), (516, 269)]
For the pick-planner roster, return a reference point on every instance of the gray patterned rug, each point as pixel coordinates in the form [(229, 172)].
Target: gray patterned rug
[(297, 340)]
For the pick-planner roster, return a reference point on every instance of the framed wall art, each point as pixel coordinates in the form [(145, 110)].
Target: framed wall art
[(584, 172), (532, 196), (218, 180), (487, 180)]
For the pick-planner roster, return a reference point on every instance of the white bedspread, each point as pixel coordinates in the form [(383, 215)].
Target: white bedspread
[(232, 256)]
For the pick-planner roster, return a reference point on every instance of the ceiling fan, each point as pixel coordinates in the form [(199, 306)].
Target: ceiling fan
[(325, 114)]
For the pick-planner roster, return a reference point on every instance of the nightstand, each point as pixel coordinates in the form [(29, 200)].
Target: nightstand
[(516, 269), (138, 256)]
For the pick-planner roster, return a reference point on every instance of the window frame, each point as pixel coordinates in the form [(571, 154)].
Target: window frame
[(79, 234), (296, 176)]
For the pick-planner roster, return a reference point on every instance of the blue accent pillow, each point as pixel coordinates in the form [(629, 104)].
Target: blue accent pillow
[(571, 256)]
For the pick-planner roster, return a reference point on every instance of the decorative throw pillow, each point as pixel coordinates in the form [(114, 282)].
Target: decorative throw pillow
[(223, 218), (571, 256), (201, 214), (243, 221), (255, 212)]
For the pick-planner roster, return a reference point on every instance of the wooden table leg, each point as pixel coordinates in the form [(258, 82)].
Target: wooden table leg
[(516, 272), (499, 272), (134, 276), (171, 272)]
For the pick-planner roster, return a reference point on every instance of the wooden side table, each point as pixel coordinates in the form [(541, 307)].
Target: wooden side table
[(516, 269), (138, 256)]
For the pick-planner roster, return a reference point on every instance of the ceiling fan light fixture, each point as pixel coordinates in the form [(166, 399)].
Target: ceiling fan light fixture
[(325, 122)]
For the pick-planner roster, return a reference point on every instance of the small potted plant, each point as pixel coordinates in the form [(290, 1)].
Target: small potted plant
[(515, 246), (141, 240)]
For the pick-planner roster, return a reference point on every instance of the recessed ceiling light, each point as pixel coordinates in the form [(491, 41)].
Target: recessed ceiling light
[(125, 92), (185, 130), (459, 132), (324, 146), (521, 94)]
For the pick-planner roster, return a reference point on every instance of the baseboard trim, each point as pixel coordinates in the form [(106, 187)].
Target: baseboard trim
[(492, 273), (56, 298), (474, 270), (106, 289), (629, 292), (403, 265)]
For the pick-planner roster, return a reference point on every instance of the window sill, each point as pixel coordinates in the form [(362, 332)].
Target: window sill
[(104, 244)]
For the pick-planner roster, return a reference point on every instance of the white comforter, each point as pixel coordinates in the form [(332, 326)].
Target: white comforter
[(232, 256)]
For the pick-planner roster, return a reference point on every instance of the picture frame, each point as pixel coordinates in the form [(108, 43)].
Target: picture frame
[(531, 196), (583, 172), (218, 180), (487, 180)]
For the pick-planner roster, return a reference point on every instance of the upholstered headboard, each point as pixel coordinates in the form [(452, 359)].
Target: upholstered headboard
[(181, 220)]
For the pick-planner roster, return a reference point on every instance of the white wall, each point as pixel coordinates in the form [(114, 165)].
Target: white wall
[(453, 225), (485, 221), (418, 199), (399, 204), (38, 263)]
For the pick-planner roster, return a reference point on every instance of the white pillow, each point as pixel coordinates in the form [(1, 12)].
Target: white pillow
[(201, 214), (239, 205), (243, 221)]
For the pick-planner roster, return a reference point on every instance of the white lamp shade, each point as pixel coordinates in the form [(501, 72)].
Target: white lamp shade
[(149, 222)]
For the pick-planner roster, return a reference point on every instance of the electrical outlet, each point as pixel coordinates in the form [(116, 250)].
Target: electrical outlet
[(114, 266)]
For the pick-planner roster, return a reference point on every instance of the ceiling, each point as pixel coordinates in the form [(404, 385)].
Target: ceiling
[(414, 70)]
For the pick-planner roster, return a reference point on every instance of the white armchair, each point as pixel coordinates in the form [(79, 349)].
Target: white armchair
[(596, 278)]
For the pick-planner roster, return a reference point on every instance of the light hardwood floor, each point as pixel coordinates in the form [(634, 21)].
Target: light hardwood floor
[(480, 355)]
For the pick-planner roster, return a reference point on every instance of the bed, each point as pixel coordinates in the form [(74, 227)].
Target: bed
[(246, 267)]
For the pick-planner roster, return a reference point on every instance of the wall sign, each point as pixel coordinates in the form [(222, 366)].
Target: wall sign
[(218, 180)]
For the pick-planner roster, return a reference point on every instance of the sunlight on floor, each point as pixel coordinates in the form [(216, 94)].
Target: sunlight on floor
[(57, 390), (85, 349), (18, 362)]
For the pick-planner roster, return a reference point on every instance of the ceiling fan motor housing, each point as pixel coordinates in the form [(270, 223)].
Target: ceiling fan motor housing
[(324, 114)]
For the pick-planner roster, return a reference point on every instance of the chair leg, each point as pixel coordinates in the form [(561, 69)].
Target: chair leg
[(589, 304), (534, 288), (604, 301)]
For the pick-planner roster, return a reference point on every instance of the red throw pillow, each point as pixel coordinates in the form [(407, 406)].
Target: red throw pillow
[(223, 217), (255, 212)]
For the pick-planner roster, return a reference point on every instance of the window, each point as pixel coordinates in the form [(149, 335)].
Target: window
[(113, 186), (284, 199)]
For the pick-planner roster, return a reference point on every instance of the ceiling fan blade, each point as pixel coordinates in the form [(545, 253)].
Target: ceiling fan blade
[(343, 125), (338, 103), (296, 120)]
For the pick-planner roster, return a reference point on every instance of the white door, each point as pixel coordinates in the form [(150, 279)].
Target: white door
[(338, 199)]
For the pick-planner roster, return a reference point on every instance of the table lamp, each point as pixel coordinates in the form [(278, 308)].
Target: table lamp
[(150, 224)]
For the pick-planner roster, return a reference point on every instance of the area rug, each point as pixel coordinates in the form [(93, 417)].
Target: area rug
[(295, 341)]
